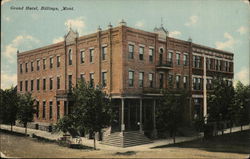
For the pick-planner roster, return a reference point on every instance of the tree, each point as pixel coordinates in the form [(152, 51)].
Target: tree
[(92, 109), (26, 109), (219, 102), (169, 114), (243, 104), (9, 106)]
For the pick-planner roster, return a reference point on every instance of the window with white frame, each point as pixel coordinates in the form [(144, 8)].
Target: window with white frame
[(91, 78), (131, 51), (38, 65), (104, 52), (177, 81), (91, 57), (82, 55), (141, 79), (151, 54), (131, 78), (70, 56), (32, 66), (185, 59), (51, 62), (161, 80), (150, 78), (141, 52), (104, 79)]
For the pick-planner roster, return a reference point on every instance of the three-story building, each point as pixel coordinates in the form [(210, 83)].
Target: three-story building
[(131, 65)]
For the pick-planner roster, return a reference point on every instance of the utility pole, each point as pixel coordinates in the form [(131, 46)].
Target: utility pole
[(205, 89)]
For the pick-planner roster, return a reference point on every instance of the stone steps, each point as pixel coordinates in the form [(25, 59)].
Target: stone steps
[(128, 139)]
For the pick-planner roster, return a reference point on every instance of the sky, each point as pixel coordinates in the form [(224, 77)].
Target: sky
[(221, 24)]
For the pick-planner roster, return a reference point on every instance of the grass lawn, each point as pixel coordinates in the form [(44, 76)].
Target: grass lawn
[(238, 142)]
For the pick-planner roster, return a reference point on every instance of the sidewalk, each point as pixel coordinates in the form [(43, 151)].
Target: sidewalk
[(87, 142)]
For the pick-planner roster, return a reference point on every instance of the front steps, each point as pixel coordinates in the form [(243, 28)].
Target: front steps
[(125, 139)]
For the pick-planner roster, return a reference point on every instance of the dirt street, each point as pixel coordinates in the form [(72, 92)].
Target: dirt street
[(16, 146)]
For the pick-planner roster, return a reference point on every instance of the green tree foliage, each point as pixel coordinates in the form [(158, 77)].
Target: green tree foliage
[(169, 113), (25, 109), (9, 106), (92, 110), (242, 102), (220, 100)]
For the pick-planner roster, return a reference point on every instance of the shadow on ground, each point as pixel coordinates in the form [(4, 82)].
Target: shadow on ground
[(127, 153), (238, 142)]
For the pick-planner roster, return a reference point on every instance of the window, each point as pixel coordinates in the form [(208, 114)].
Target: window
[(44, 109), (70, 82), (209, 84), (141, 79), (51, 83), (50, 109), (219, 65), (26, 67), (70, 57), (185, 81), (151, 54), (91, 77), (231, 65), (197, 61), (197, 83), (44, 84), (38, 84), (51, 62), (131, 51), (216, 65), (44, 64), (32, 66), (226, 65), (65, 108), (58, 109), (38, 65), (58, 61), (21, 85), (104, 79), (141, 52), (208, 63), (178, 57), (161, 56), (150, 78), (37, 109), (91, 57), (82, 55), (177, 81), (170, 80), (82, 77), (31, 85), (21, 68), (104, 52), (131, 78), (26, 86), (185, 60), (58, 82), (161, 78), (170, 57)]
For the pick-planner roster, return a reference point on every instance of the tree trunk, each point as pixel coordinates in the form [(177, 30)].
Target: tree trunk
[(11, 127), (25, 125), (174, 137), (230, 129), (241, 127), (94, 142)]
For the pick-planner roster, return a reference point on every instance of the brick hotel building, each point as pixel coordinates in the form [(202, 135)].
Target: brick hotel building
[(131, 64)]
